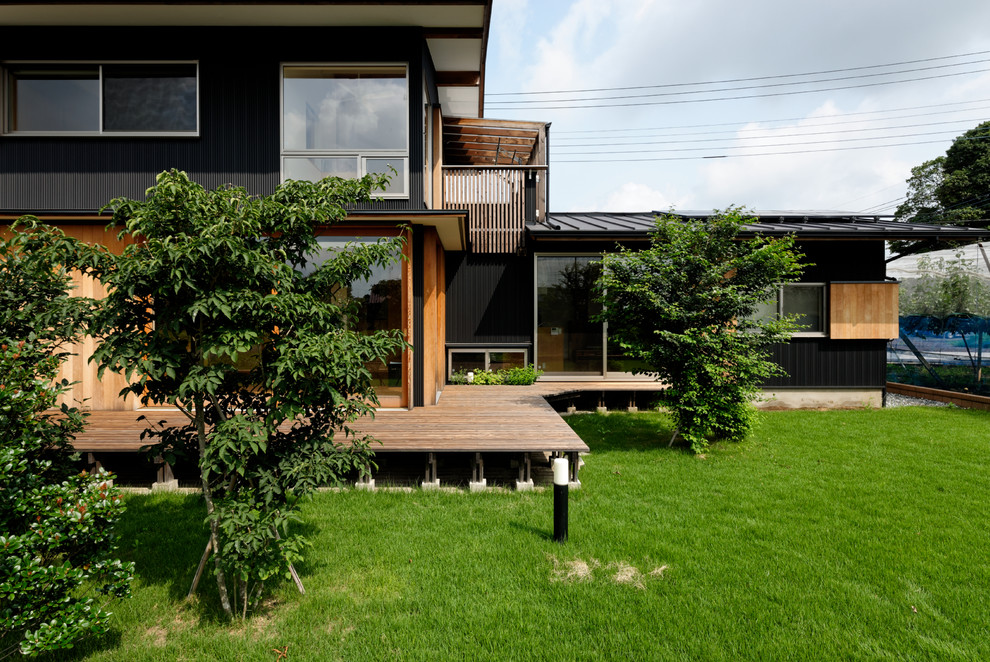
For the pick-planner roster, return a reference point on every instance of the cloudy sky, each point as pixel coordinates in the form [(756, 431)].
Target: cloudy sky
[(682, 134)]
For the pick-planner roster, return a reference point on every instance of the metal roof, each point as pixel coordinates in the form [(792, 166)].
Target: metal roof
[(804, 224)]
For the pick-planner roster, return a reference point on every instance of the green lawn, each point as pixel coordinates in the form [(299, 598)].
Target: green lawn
[(826, 535)]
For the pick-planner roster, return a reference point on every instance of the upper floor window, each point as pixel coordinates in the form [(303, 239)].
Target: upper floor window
[(346, 121), (101, 99)]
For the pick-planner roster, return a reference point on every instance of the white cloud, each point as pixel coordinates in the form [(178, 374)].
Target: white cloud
[(633, 196)]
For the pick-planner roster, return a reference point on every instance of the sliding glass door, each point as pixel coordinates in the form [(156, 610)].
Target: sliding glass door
[(568, 341)]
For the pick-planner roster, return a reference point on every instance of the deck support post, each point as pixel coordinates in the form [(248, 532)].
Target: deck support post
[(602, 409), (571, 407), (478, 481), (165, 479), (432, 480), (365, 481), (525, 481), (632, 408), (575, 465), (93, 462)]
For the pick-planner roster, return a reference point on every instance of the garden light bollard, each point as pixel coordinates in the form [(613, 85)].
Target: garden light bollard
[(560, 483)]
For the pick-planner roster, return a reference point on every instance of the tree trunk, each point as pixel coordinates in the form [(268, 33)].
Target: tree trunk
[(210, 508)]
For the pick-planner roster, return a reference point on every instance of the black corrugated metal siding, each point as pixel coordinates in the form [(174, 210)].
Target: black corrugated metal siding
[(239, 111), (489, 298), (824, 363)]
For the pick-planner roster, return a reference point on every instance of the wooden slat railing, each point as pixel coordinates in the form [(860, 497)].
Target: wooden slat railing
[(495, 199)]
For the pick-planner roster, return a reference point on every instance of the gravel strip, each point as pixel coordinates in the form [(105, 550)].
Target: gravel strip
[(897, 400)]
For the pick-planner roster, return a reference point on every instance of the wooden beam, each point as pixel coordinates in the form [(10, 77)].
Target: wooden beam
[(508, 124)]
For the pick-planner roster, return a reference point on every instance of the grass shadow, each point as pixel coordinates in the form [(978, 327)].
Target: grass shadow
[(165, 535), (532, 530), (625, 432)]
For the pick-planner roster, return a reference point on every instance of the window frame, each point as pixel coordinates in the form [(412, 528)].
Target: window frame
[(362, 156), (7, 98), (822, 312), (487, 350)]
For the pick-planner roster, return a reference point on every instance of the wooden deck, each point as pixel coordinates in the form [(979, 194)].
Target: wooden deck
[(467, 419)]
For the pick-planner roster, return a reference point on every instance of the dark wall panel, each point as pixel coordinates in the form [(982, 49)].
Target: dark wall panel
[(239, 111), (820, 362), (843, 260), (489, 298)]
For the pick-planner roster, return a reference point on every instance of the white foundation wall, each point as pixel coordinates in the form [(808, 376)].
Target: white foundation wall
[(821, 398)]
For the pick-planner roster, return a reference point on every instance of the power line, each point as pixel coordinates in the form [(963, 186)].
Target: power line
[(785, 119), (739, 80), (750, 96), (733, 156), (735, 89), (884, 205), (867, 195), (810, 125), (772, 137), (790, 144)]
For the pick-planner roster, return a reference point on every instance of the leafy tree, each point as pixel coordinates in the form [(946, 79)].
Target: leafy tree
[(215, 310), (947, 190), (56, 525), (686, 307)]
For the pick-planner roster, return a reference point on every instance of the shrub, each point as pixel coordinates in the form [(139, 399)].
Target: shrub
[(56, 526), (520, 376)]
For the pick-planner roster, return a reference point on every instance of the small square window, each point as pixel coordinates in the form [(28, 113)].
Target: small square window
[(806, 301)]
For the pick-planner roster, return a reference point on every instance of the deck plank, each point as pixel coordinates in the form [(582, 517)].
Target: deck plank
[(467, 419)]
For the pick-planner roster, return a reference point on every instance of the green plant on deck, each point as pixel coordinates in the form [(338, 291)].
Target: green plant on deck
[(685, 306), (58, 573), (215, 309), (517, 376)]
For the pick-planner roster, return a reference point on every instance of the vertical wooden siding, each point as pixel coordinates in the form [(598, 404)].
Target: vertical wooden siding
[(495, 199), (88, 390)]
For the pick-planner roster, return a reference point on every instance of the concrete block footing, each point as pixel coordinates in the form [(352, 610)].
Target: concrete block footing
[(602, 410), (525, 485), (478, 486), (632, 409), (431, 484), (368, 484), (165, 486)]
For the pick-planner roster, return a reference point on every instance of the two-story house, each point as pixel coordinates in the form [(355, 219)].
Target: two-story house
[(97, 98)]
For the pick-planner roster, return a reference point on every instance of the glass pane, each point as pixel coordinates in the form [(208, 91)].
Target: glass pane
[(397, 179), (766, 312), (505, 360), (313, 170), (467, 361), (567, 340), (54, 98), (806, 301), (153, 98), (347, 108), (618, 361), (379, 307)]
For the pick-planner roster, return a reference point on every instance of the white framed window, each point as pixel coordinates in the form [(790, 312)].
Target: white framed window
[(485, 358), (346, 120), (101, 98), (806, 300)]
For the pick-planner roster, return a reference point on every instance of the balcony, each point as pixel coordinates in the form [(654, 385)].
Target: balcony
[(496, 171)]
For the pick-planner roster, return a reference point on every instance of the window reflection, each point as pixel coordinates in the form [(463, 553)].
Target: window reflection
[(378, 302)]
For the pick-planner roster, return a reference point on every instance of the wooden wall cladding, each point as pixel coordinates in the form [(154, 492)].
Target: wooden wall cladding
[(863, 311), (89, 391)]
